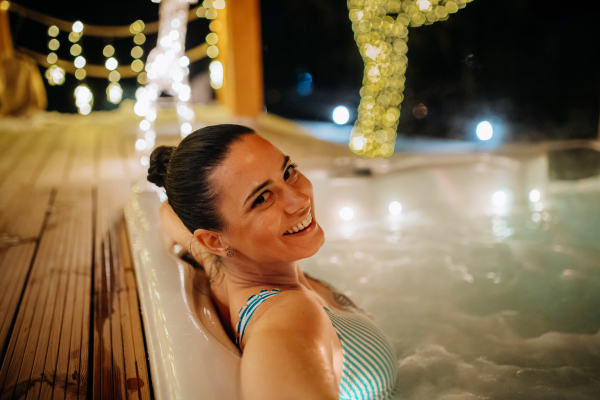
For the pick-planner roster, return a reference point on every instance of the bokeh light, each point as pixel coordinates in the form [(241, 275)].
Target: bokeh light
[(534, 195), (499, 198), (340, 115), (485, 130), (346, 213), (395, 208)]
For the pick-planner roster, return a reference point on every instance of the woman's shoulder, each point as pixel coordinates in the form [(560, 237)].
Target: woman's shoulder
[(288, 312)]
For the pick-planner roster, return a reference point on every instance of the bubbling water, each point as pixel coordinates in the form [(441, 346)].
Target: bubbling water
[(478, 304)]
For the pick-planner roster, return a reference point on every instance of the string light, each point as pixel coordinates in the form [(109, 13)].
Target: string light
[(216, 74), (382, 41), (84, 99), (166, 71), (54, 74), (80, 61), (114, 93)]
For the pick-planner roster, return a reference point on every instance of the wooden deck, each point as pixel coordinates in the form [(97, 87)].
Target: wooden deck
[(70, 323)]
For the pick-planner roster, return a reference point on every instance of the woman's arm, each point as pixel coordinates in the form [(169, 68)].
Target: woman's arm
[(288, 352)]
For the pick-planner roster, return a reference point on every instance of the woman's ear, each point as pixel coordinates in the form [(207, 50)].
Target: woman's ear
[(211, 241)]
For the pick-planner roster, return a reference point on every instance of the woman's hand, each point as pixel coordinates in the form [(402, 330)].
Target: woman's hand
[(288, 352)]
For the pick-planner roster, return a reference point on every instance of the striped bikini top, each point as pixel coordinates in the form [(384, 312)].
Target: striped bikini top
[(369, 363)]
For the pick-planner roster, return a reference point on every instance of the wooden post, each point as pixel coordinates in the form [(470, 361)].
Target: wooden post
[(6, 44), (241, 48)]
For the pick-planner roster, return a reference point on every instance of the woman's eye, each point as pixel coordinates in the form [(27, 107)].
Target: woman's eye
[(289, 171), (260, 199)]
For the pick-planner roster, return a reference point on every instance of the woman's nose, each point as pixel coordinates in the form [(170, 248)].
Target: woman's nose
[(294, 200)]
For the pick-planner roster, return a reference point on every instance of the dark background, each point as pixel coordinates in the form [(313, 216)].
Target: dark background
[(530, 66)]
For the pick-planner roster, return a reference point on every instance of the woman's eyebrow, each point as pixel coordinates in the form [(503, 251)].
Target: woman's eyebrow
[(285, 161), (259, 188)]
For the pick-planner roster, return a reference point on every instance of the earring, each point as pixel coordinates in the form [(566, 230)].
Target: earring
[(230, 253)]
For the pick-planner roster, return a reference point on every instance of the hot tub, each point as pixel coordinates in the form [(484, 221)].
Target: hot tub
[(483, 270)]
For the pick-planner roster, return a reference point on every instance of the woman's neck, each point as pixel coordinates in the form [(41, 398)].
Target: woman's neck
[(241, 275)]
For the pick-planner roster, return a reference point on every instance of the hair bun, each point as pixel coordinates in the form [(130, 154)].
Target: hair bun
[(158, 164)]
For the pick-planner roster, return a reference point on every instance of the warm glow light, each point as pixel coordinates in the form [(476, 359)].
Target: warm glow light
[(346, 213), (139, 39), (108, 51), (145, 161), (534, 195), (499, 198), (75, 50), (212, 51), (358, 143), (137, 52), (53, 44), (114, 93), (80, 73), (424, 5), (381, 33), (395, 208), (114, 76), (485, 131), (53, 31), (340, 115), (52, 58)]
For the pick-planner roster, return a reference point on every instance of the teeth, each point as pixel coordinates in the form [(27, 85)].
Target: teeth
[(301, 225)]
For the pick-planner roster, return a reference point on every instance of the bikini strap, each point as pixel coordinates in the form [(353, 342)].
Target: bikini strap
[(246, 312)]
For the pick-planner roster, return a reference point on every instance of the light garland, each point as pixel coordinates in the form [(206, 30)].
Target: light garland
[(54, 74), (84, 99), (167, 71), (382, 41)]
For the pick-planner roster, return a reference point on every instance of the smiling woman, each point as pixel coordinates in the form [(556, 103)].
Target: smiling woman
[(245, 203)]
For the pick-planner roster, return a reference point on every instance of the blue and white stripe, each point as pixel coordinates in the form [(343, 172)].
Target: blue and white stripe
[(246, 312), (369, 363), (369, 368)]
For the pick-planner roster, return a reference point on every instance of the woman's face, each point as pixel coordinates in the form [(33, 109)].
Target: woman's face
[(262, 197)]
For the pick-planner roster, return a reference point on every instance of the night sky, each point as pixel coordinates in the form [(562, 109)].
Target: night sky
[(531, 66)]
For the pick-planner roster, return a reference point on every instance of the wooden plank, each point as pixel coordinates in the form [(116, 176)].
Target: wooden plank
[(53, 369), (14, 157), (135, 317), (24, 169), (116, 331), (14, 266), (43, 359), (30, 318)]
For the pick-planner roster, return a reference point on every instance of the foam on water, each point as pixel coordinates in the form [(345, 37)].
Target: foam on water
[(480, 303)]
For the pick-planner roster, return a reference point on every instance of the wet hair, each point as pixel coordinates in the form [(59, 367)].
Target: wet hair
[(184, 171)]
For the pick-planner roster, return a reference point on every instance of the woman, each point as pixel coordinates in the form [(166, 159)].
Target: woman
[(245, 203)]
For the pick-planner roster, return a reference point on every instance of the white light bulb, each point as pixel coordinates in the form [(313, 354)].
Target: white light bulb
[(184, 61), (395, 208), (140, 144), (186, 128), (77, 27), (340, 115), (111, 63), (145, 125), (79, 62), (346, 213), (499, 198), (485, 131), (534, 195)]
